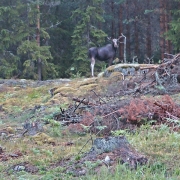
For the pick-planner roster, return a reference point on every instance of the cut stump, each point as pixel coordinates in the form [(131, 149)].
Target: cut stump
[(119, 149)]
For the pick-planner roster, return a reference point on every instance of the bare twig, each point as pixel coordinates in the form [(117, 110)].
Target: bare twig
[(98, 96), (86, 144), (84, 101), (78, 105), (110, 113)]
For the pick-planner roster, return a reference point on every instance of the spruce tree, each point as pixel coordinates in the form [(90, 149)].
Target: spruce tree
[(34, 54), (19, 50), (10, 26), (86, 33), (173, 33)]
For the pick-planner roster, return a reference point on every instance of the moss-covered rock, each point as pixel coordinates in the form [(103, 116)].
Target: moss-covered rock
[(42, 138), (65, 90), (116, 76), (87, 81), (88, 87)]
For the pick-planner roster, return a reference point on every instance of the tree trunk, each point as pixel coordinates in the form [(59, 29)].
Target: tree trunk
[(112, 21), (162, 27), (148, 33), (136, 38), (121, 31), (168, 46), (128, 30), (38, 42)]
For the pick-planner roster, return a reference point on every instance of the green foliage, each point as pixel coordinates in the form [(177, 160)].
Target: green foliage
[(79, 69), (119, 132), (100, 128), (8, 65), (32, 52), (91, 165), (86, 33), (176, 122), (147, 11), (173, 33), (18, 30)]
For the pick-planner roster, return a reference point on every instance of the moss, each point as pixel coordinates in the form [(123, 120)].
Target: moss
[(11, 102), (110, 69), (65, 90), (123, 66), (116, 76), (10, 130), (88, 81), (52, 101), (58, 99), (88, 87), (41, 138)]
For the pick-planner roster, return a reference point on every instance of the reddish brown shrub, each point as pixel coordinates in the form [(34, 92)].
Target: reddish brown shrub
[(137, 110), (157, 109), (166, 107)]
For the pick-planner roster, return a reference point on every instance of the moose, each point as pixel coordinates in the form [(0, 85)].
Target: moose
[(103, 53)]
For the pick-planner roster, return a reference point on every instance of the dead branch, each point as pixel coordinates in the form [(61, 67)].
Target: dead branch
[(150, 67), (85, 102), (78, 105), (98, 97), (159, 81)]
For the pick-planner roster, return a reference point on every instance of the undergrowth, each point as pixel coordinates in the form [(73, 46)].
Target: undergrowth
[(159, 143)]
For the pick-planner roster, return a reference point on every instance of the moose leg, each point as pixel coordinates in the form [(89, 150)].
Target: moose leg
[(92, 66), (110, 62)]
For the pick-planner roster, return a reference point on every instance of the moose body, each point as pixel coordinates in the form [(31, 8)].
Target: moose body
[(105, 53)]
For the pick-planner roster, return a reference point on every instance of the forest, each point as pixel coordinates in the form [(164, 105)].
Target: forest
[(57, 122), (48, 39)]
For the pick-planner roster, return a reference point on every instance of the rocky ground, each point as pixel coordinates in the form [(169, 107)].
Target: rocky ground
[(119, 101)]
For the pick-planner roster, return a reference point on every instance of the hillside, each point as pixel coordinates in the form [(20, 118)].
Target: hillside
[(47, 126)]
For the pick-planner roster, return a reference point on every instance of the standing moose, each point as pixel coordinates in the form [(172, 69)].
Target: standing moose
[(103, 53)]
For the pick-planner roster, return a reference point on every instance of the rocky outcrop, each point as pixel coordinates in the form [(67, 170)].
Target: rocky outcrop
[(31, 83)]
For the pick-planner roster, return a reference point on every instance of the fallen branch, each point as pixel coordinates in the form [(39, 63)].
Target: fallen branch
[(150, 67), (159, 81), (98, 97), (85, 102), (78, 105)]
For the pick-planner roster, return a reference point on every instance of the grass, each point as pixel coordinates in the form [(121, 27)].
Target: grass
[(19, 100), (40, 155), (162, 148), (160, 144)]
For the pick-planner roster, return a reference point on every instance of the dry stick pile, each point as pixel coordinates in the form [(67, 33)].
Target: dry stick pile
[(117, 113)]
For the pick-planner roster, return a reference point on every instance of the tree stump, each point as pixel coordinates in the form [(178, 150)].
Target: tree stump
[(120, 150)]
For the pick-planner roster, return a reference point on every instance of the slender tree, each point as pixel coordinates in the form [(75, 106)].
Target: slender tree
[(112, 19), (162, 28), (38, 41), (121, 7), (148, 32), (128, 28)]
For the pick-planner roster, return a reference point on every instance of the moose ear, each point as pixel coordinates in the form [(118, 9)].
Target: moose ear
[(109, 38)]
